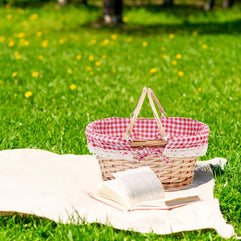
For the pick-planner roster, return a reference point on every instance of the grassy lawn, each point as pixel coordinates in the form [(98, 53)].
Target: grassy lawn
[(58, 73)]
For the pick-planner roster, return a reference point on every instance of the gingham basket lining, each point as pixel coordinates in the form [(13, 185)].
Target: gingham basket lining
[(183, 133)]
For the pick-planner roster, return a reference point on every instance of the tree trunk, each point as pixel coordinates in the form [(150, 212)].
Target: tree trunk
[(228, 3), (112, 11), (209, 5), (168, 2), (62, 2)]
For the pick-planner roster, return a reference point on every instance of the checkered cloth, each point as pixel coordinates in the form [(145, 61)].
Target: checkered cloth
[(183, 133)]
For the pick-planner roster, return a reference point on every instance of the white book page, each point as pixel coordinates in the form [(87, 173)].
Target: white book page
[(114, 190), (141, 185), (113, 194)]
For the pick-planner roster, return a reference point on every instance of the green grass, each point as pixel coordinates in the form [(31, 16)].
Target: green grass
[(54, 117)]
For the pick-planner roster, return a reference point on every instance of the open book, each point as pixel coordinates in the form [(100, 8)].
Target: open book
[(138, 189)]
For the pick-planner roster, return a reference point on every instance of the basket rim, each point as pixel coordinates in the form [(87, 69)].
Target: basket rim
[(176, 144), (90, 126)]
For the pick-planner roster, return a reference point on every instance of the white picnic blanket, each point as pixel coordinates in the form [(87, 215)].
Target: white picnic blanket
[(56, 187)]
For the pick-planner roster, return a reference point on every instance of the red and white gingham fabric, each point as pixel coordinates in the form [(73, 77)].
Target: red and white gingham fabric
[(183, 133)]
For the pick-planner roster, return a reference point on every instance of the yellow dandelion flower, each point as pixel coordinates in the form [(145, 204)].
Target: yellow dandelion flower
[(78, 56), (11, 43), (69, 71), (180, 73), (2, 38), (14, 74), (105, 42), (35, 74), (24, 23), (21, 35), (103, 56), (129, 39), (19, 56), (26, 43), (144, 44), (28, 94), (39, 34), (40, 57), (199, 89), (53, 100), (164, 56), (91, 58), (16, 52), (171, 36), (61, 41), (92, 73), (45, 43), (9, 16), (88, 68), (174, 62), (1, 81), (73, 86), (163, 49), (125, 19), (98, 63), (33, 16), (204, 46), (92, 42), (153, 70), (114, 36), (178, 56)]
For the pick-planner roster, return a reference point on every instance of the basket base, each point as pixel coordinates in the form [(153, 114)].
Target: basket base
[(178, 173)]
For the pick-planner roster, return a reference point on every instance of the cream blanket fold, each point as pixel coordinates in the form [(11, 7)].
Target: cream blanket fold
[(56, 187)]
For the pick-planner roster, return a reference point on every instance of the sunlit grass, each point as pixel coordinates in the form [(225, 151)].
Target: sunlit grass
[(58, 73)]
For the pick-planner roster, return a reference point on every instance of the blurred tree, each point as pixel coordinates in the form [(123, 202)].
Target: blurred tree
[(62, 2), (226, 4), (168, 2), (112, 11)]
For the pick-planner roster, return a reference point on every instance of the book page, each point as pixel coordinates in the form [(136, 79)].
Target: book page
[(141, 185), (114, 194), (114, 190)]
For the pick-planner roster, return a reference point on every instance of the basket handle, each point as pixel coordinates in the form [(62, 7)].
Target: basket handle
[(135, 113), (159, 124), (138, 143), (157, 102)]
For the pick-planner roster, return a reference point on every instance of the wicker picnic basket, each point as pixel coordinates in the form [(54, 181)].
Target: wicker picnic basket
[(170, 146)]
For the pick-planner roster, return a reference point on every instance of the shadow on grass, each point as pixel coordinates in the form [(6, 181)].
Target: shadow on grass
[(211, 22), (182, 24), (230, 28)]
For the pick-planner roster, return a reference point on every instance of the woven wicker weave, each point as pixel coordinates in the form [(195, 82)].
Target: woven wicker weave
[(174, 174)]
